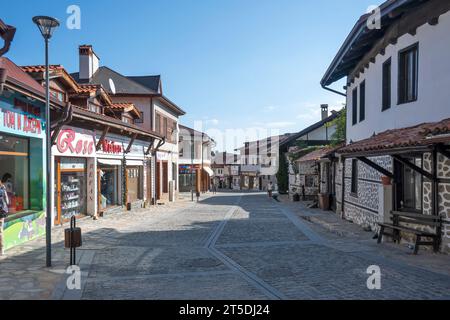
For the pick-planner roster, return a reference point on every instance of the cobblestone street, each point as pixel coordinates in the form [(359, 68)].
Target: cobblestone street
[(228, 246)]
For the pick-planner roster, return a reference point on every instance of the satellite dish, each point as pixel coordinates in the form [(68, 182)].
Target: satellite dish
[(112, 86)]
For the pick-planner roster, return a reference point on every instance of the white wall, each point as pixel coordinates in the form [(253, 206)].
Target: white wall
[(433, 90)]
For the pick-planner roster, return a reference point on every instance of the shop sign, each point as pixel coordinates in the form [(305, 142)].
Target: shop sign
[(22, 123), (162, 156), (74, 143), (186, 169), (111, 147)]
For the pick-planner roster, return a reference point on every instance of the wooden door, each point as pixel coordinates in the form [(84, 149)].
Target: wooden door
[(149, 183), (158, 180), (165, 168), (58, 191)]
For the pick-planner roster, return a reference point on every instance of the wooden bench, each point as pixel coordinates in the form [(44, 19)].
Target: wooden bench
[(402, 221)]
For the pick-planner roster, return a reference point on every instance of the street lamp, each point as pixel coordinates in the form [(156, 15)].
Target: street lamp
[(47, 25)]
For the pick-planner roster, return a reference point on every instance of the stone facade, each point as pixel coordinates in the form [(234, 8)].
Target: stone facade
[(363, 208)]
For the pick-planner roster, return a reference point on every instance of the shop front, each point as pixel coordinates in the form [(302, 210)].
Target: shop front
[(22, 168), (136, 175), (109, 174), (187, 176), (74, 175)]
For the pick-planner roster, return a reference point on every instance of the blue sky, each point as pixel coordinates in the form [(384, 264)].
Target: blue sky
[(232, 64)]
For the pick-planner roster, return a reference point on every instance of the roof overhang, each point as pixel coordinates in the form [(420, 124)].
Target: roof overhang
[(361, 39)]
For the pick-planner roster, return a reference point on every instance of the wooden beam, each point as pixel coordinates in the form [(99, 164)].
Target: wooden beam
[(408, 23), (377, 167), (149, 149), (131, 143), (414, 167), (433, 21), (443, 151), (102, 138)]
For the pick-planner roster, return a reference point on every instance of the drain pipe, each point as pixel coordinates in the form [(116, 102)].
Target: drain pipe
[(334, 91), (58, 124), (7, 33)]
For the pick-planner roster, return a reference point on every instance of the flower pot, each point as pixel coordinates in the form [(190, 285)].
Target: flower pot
[(386, 180), (324, 201)]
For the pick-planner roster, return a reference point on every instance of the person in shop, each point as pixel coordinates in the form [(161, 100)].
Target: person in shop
[(4, 202)]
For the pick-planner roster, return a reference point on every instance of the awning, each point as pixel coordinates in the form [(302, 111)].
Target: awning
[(209, 171), (110, 162), (135, 163)]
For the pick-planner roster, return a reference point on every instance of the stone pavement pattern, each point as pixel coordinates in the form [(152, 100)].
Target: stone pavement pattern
[(228, 246)]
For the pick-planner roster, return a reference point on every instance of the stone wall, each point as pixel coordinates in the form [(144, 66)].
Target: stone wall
[(443, 172), (362, 208), (309, 168)]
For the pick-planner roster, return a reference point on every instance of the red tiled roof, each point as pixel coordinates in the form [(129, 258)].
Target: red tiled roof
[(57, 70), (21, 77), (417, 136), (127, 107), (317, 154), (41, 68), (89, 88)]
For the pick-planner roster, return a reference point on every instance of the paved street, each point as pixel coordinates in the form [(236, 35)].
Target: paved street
[(229, 246)]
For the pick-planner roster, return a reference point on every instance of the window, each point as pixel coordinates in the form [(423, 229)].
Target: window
[(14, 171), (408, 74), (141, 119), (164, 128), (58, 95), (386, 94), (355, 106), (158, 123), (409, 190), (362, 101), (94, 108), (354, 186), (127, 120), (310, 181)]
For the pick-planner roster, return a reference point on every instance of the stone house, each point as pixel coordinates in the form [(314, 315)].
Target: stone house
[(397, 115)]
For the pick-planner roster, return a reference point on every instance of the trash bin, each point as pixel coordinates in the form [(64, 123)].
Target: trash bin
[(324, 201), (296, 197)]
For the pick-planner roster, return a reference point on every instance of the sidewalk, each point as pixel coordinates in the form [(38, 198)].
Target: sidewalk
[(23, 275), (343, 232)]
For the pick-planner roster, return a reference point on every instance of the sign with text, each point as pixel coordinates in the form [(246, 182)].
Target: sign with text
[(72, 143), (111, 147), (24, 124)]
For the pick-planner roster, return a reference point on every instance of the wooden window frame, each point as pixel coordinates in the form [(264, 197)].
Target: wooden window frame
[(386, 86), (362, 101), (402, 80), (355, 106), (354, 178)]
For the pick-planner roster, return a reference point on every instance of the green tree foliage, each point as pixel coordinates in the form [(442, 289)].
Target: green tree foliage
[(282, 174), (339, 135)]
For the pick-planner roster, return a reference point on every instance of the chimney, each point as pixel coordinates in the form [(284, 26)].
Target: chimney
[(324, 108), (89, 62), (224, 158)]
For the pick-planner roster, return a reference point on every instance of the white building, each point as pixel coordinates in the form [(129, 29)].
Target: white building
[(195, 150), (397, 114)]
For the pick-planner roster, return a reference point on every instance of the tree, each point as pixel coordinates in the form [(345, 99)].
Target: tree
[(339, 135), (282, 174)]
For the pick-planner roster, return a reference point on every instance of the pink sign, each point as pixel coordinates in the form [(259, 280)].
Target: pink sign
[(71, 142)]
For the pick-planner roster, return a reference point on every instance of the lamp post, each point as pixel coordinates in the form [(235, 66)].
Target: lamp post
[(46, 26)]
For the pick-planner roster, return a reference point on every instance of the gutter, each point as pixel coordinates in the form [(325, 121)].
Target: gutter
[(334, 91)]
